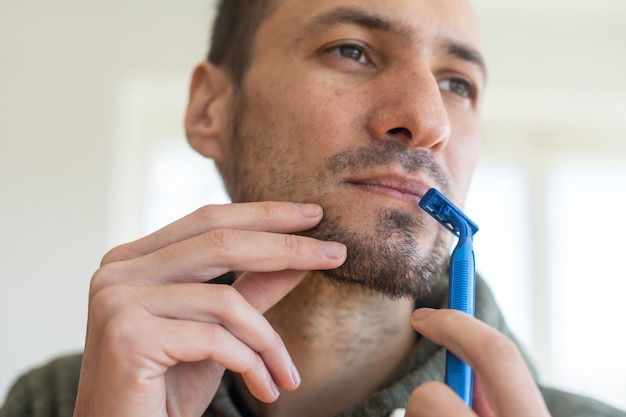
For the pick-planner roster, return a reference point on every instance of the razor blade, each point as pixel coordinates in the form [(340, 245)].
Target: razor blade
[(446, 213)]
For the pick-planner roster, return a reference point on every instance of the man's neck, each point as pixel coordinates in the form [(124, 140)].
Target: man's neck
[(346, 343)]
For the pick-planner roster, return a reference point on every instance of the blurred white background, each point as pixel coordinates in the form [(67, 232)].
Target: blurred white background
[(92, 154)]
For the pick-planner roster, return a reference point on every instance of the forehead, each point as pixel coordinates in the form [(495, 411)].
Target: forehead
[(418, 20)]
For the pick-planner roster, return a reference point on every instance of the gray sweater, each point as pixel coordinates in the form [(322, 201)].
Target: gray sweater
[(50, 391)]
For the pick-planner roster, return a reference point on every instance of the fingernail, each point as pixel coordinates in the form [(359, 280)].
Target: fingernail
[(421, 313), (295, 375), (274, 389), (334, 250), (309, 210)]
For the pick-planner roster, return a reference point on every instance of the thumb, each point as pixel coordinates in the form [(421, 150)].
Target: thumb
[(264, 289)]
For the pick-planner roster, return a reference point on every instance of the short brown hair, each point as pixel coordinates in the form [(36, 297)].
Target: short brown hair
[(234, 28)]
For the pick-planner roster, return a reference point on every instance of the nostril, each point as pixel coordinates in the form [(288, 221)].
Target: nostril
[(401, 131)]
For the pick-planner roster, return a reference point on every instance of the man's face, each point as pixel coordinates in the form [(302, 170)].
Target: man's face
[(361, 106)]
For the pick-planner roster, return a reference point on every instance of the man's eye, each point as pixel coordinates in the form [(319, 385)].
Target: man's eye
[(457, 86), (352, 52)]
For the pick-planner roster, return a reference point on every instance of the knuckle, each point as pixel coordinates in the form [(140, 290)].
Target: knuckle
[(222, 240), (116, 320), (218, 336), (293, 244), (253, 364), (267, 209), (120, 333), (501, 347), (205, 214), (116, 254), (227, 295), (276, 342), (105, 276), (271, 344), (109, 299)]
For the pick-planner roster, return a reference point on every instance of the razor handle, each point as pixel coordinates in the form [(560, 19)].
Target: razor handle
[(461, 296)]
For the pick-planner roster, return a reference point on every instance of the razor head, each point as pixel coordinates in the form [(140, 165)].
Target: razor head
[(446, 213)]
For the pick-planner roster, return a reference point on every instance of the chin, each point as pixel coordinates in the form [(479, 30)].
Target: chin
[(397, 255)]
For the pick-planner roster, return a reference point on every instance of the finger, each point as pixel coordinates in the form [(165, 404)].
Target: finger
[(211, 304), (499, 366), (436, 399), (158, 344), (264, 289), (224, 305), (217, 344), (279, 217), (480, 404), (214, 253)]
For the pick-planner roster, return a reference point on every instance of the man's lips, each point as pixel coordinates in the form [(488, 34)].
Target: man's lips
[(402, 188)]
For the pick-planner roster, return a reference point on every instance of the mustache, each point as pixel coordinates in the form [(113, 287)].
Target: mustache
[(382, 154)]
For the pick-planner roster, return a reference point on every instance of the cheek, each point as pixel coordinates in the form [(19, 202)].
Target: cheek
[(308, 117), (461, 158)]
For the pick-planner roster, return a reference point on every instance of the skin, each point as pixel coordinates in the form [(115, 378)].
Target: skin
[(372, 130), (318, 91)]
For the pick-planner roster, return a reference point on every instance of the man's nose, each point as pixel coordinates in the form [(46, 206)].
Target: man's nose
[(411, 111)]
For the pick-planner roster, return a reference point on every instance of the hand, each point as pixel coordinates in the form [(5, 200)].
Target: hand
[(503, 385), (159, 338)]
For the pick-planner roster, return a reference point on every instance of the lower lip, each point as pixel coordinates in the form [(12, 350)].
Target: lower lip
[(388, 192)]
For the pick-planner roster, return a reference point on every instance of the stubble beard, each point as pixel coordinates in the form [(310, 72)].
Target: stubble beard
[(390, 258)]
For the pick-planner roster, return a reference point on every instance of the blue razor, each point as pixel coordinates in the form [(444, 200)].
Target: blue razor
[(461, 289)]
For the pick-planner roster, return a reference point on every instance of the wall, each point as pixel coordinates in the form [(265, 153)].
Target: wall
[(65, 70)]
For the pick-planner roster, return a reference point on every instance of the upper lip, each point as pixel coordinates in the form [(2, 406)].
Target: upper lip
[(402, 183)]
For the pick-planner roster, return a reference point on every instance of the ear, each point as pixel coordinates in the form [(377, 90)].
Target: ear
[(209, 112)]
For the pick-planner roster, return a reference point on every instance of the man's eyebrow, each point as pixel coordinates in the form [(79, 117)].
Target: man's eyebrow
[(347, 15), (467, 53), (359, 17)]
